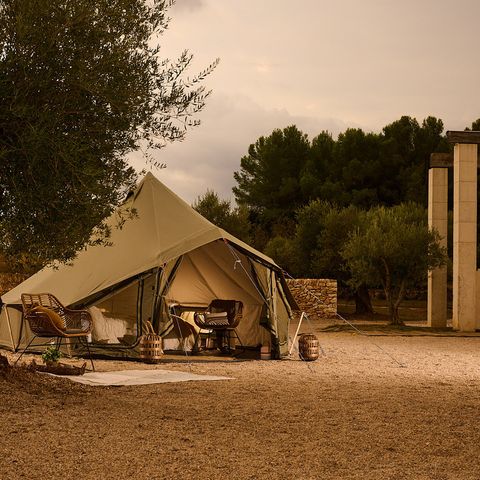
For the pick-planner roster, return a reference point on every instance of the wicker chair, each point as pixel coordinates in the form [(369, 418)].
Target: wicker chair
[(221, 317), (70, 323)]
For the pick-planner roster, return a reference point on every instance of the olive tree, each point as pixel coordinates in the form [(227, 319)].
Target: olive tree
[(82, 84), (393, 248)]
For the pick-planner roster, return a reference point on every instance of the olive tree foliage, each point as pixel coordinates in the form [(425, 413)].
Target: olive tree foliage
[(283, 251), (393, 248), (322, 230), (82, 84), (221, 212)]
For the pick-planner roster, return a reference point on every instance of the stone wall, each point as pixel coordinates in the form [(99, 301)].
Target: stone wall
[(316, 297)]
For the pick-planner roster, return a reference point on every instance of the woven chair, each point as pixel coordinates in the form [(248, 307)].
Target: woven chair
[(37, 311), (221, 317)]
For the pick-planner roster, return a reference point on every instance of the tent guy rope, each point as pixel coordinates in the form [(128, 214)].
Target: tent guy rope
[(365, 334)]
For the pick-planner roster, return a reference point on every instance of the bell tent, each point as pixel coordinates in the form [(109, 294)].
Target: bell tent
[(165, 255)]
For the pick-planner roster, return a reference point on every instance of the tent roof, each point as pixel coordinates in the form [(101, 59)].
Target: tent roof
[(163, 228)]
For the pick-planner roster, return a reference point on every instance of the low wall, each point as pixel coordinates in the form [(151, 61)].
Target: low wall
[(315, 296)]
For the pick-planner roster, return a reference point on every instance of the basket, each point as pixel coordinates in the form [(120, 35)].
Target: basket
[(308, 347), (151, 346), (265, 353)]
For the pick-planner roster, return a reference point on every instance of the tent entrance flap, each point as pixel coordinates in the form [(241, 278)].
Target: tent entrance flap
[(119, 319), (162, 322)]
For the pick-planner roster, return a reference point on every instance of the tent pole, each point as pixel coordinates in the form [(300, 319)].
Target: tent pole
[(155, 298), (139, 307), (296, 333), (10, 328), (163, 306)]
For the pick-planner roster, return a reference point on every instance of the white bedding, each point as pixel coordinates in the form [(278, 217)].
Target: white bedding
[(106, 329)]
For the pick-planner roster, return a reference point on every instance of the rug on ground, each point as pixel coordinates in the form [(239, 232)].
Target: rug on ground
[(139, 377)]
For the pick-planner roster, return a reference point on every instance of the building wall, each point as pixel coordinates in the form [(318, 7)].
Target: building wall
[(317, 297)]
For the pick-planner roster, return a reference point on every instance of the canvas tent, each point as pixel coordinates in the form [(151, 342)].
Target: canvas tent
[(165, 254)]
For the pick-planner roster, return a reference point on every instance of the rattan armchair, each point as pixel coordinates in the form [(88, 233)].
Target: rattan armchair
[(48, 318), (221, 317)]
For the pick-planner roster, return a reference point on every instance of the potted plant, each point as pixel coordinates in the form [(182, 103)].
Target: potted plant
[(51, 356)]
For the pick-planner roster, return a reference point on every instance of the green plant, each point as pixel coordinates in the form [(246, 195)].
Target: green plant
[(393, 248), (51, 354)]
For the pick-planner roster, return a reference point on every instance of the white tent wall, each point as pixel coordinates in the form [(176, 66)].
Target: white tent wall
[(10, 324), (14, 333)]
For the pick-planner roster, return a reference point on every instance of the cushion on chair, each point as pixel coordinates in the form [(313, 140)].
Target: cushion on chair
[(55, 318), (217, 319), (74, 331)]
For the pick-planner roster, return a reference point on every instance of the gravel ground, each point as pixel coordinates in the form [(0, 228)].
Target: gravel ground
[(355, 413)]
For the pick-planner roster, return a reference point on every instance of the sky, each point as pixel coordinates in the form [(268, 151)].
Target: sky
[(317, 64)]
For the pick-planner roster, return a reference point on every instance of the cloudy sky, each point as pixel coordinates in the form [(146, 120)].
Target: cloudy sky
[(318, 64)]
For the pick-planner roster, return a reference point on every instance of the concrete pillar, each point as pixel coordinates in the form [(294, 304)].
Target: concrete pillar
[(464, 236), (438, 219), (478, 300)]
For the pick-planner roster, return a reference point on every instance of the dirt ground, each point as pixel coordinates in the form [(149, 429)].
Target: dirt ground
[(355, 413)]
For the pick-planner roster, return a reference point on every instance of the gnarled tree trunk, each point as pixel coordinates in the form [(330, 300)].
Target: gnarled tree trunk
[(363, 302), (392, 300), (394, 305)]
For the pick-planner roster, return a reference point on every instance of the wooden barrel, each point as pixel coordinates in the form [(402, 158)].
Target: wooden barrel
[(308, 347), (265, 353), (151, 346)]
